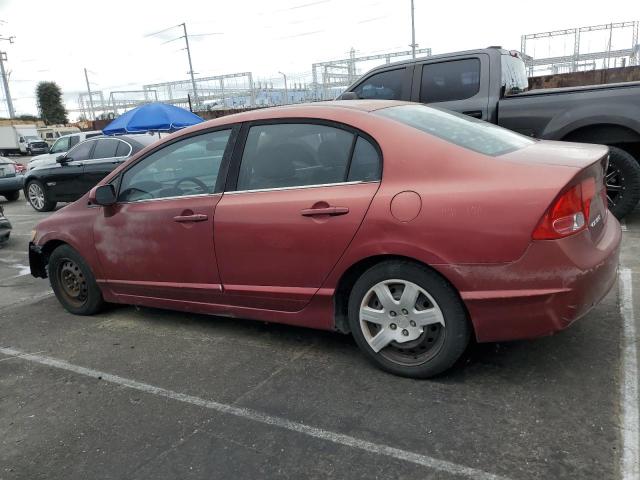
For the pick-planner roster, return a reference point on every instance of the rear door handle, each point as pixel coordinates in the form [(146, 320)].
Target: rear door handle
[(333, 211), (474, 113), (196, 217)]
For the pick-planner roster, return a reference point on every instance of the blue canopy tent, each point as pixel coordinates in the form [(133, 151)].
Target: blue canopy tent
[(152, 117)]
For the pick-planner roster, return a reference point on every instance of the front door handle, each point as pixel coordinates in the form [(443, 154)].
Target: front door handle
[(196, 217), (474, 113), (333, 211)]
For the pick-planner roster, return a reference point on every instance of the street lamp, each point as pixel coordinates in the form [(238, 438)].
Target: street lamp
[(286, 90)]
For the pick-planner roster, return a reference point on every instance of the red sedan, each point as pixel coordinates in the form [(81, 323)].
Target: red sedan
[(411, 228)]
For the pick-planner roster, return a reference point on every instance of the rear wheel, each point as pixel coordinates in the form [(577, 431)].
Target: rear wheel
[(73, 283), (12, 196), (407, 319), (38, 198), (622, 182)]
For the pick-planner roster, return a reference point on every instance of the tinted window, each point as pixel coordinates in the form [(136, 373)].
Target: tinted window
[(123, 149), (74, 140), (49, 135), (453, 80), (482, 137), (105, 148), (292, 155), (365, 164), (81, 151), (384, 85), (186, 167), (61, 145)]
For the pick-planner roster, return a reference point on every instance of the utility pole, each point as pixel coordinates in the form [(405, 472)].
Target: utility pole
[(413, 33), (193, 80), (92, 112), (286, 90), (5, 81)]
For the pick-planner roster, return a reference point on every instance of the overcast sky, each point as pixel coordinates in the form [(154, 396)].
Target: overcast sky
[(55, 40)]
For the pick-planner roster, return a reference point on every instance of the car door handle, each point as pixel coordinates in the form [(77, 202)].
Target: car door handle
[(474, 113), (196, 217), (333, 211)]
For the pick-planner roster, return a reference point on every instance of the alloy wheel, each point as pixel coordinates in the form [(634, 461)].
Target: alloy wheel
[(614, 182), (402, 321), (36, 196)]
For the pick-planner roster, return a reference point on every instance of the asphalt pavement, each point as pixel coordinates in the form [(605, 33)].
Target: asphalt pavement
[(145, 393)]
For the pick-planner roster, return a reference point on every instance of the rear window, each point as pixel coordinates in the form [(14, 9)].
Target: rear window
[(467, 132)]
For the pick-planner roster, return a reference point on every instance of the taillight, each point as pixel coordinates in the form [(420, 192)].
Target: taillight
[(20, 168), (569, 213)]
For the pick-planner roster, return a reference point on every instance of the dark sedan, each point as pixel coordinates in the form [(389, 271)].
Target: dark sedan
[(75, 172)]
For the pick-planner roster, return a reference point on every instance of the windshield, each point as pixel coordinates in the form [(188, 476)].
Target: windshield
[(467, 132), (514, 75), (32, 138)]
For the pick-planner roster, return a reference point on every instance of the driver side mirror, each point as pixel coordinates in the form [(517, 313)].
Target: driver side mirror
[(349, 96), (62, 159), (104, 195)]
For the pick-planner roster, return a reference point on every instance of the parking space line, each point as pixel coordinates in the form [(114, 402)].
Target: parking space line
[(256, 416), (623, 225), (630, 457)]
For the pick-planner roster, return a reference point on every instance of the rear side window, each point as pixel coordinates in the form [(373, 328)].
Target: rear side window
[(105, 148), (294, 155), (81, 151), (384, 85), (365, 164), (446, 81), (467, 132), (123, 149)]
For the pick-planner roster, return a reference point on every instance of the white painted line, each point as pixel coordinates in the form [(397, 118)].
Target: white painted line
[(256, 416), (623, 225), (630, 456)]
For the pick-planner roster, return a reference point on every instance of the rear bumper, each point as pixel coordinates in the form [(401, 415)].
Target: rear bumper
[(37, 262), (553, 284), (11, 184)]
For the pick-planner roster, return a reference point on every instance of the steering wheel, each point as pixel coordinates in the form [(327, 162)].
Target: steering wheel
[(199, 183), (132, 190)]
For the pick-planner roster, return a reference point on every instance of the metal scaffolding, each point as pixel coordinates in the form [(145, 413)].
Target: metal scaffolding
[(579, 57)]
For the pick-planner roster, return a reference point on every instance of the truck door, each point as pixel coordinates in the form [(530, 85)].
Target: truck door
[(459, 84)]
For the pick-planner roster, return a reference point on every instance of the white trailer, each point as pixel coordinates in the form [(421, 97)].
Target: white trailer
[(16, 138)]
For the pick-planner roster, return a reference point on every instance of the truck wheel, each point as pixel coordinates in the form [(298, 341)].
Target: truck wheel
[(12, 196), (37, 197), (623, 182)]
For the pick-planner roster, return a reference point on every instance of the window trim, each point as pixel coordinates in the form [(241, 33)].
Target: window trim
[(222, 172), (236, 159), (93, 147), (420, 70)]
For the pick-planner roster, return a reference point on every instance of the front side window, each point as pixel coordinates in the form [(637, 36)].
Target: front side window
[(82, 151), (74, 140), (294, 155), (385, 85), (477, 135), (453, 80), (186, 167), (61, 145)]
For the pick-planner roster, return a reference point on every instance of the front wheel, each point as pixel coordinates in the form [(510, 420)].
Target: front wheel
[(38, 198), (73, 282), (407, 319), (622, 182)]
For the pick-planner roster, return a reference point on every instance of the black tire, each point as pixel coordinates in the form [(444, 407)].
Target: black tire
[(12, 196), (430, 358), (29, 151), (623, 182), (47, 205), (65, 266)]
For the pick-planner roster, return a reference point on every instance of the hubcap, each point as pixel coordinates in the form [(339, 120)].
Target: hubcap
[(402, 321), (614, 181), (72, 282), (36, 196)]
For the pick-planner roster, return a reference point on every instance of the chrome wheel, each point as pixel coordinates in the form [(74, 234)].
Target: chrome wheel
[(72, 282), (36, 196), (402, 322), (614, 182)]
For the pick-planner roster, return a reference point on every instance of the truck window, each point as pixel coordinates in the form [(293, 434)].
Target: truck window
[(453, 80), (514, 75), (384, 85), (459, 129), (74, 140)]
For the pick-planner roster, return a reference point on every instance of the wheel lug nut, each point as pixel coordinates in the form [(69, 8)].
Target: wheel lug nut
[(412, 323), (393, 326), (392, 313), (405, 332), (404, 311)]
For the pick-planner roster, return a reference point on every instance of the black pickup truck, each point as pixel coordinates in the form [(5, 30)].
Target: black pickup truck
[(491, 84)]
